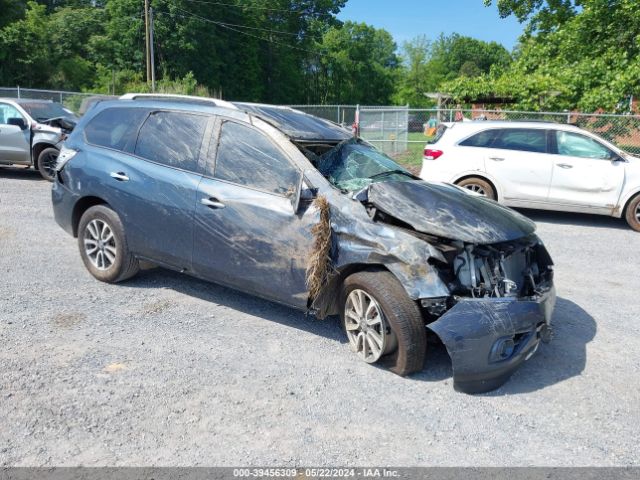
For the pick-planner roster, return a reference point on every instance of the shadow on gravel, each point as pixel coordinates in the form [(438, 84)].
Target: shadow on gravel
[(578, 219), (20, 173), (563, 358), (242, 302)]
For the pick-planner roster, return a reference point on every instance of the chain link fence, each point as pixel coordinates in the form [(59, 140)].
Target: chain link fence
[(70, 100), (403, 132), (344, 115)]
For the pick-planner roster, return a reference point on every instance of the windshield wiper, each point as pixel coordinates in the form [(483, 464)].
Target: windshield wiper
[(392, 172)]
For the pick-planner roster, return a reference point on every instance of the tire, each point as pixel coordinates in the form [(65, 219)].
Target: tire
[(478, 185), (632, 213), (405, 333), (47, 163), (112, 262)]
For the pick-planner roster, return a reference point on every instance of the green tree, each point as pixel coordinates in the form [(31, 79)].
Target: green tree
[(427, 65), (25, 57), (574, 54), (359, 65), (416, 78)]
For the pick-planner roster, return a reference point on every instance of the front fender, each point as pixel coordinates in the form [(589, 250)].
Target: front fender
[(406, 256)]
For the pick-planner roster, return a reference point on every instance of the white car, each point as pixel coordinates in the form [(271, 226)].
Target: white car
[(537, 165)]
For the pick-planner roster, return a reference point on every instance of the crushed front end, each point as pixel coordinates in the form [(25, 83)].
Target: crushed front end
[(499, 311)]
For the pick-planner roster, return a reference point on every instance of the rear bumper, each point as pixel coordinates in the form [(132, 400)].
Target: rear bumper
[(63, 201), (489, 338)]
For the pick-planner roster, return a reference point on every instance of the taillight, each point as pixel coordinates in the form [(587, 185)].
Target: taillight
[(64, 156), (430, 154)]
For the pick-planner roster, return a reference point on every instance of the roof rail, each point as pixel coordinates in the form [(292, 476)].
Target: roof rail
[(178, 98)]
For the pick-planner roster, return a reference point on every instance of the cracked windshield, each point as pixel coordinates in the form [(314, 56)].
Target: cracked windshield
[(354, 165)]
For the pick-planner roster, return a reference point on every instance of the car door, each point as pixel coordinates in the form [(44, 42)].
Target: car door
[(15, 142), (150, 175), (248, 233), (586, 174), (518, 159)]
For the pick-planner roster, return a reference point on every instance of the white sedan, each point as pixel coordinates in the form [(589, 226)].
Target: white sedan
[(537, 165)]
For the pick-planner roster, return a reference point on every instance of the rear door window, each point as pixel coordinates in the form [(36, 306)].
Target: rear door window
[(172, 138), (483, 139), (248, 157), (115, 128), (522, 139)]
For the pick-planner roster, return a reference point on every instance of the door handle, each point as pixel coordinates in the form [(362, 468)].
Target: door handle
[(120, 176), (212, 202), (497, 159), (564, 165)]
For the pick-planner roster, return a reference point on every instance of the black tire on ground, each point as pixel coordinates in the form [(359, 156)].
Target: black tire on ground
[(402, 316), (632, 213), (479, 185), (47, 163), (124, 264)]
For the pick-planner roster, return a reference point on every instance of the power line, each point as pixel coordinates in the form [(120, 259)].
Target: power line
[(247, 6), (236, 25), (226, 26)]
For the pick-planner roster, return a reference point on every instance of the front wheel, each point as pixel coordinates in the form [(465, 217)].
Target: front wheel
[(479, 186), (632, 213), (103, 246), (47, 163), (382, 323)]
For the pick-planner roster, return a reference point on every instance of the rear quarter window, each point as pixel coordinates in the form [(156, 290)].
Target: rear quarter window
[(482, 139), (172, 138), (115, 128)]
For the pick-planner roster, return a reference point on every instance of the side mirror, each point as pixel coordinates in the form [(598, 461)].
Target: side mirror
[(18, 122), (308, 194), (305, 193)]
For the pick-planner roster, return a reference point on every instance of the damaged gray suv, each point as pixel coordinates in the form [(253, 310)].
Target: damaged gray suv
[(290, 207), (31, 132)]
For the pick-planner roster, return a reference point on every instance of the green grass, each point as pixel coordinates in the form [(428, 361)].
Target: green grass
[(412, 158)]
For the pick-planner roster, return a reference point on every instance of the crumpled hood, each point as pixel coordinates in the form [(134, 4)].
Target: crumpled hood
[(446, 211)]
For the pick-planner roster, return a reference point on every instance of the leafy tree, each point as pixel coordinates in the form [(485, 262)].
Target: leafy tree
[(359, 65), (426, 65), (25, 50), (574, 54), (454, 51)]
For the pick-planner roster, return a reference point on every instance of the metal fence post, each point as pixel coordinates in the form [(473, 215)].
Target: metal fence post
[(18, 91)]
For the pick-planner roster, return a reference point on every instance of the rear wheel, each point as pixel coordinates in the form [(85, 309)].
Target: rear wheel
[(47, 163), (103, 246), (479, 186), (632, 213), (382, 323)]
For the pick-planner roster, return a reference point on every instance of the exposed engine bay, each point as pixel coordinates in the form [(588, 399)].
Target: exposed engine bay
[(65, 124), (481, 276), (511, 269)]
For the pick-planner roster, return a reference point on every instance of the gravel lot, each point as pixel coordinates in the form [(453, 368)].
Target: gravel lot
[(169, 370)]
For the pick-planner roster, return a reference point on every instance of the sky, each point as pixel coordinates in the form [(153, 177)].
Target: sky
[(405, 19)]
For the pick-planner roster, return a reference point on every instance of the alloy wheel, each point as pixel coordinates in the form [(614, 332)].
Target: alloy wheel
[(100, 244), (49, 161), (366, 326), (474, 187)]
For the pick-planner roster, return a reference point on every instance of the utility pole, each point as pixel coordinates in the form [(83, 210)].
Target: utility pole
[(146, 40), (151, 55)]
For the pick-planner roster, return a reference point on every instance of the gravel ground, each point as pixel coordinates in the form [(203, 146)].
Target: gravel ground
[(169, 370)]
